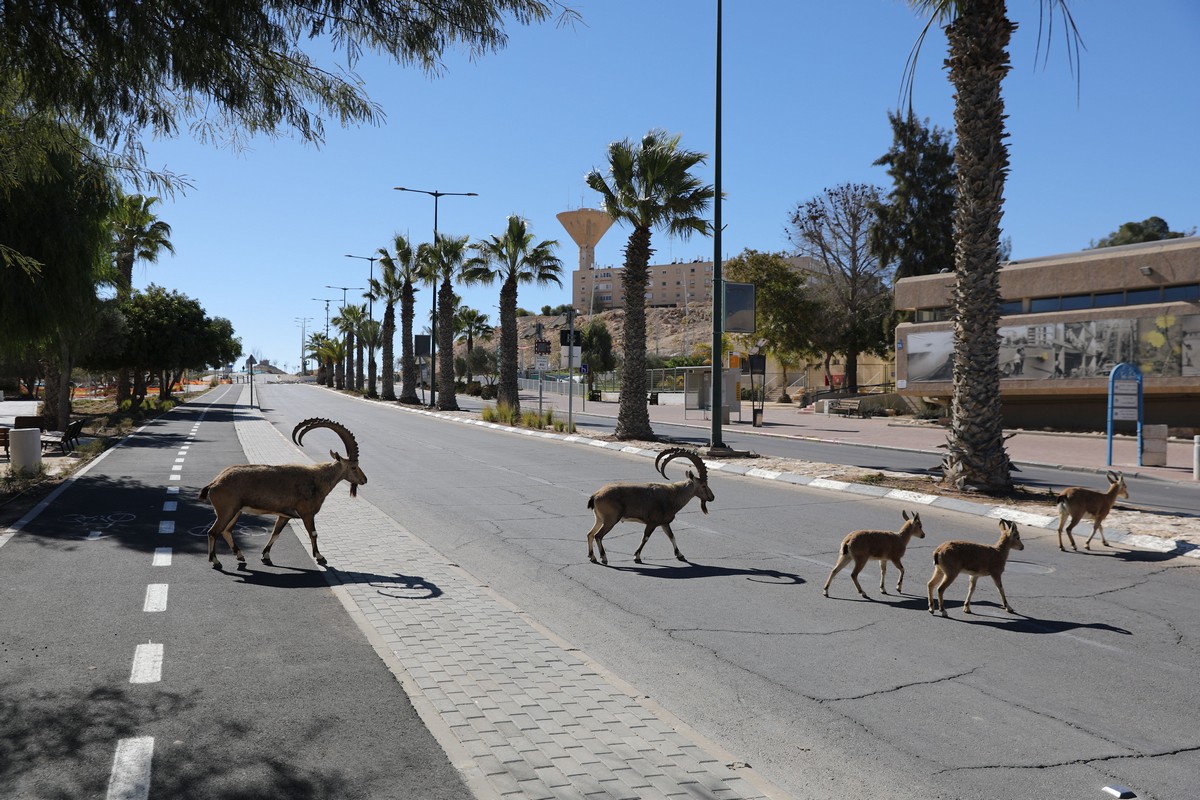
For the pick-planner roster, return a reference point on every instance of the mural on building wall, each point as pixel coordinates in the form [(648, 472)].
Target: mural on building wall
[(1164, 345)]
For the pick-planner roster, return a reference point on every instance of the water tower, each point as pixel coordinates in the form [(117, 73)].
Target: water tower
[(586, 226)]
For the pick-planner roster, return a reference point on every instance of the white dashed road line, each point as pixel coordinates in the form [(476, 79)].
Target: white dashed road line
[(156, 598), (147, 663), (130, 778), (162, 557)]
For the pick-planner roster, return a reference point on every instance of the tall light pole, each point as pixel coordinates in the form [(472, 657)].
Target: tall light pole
[(303, 341), (344, 290), (370, 300), (718, 320), (326, 301), (433, 325)]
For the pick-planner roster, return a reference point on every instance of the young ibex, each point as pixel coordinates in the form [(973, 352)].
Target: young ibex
[(862, 546), (1077, 502), (953, 557), (654, 504), (290, 491)]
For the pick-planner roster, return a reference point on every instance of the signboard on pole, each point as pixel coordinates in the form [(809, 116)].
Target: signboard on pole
[(1125, 402)]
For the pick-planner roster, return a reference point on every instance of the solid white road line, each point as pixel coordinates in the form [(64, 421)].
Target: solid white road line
[(156, 597), (147, 664), (130, 778), (162, 557)]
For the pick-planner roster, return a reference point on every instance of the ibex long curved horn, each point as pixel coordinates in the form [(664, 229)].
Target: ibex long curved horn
[(341, 430), (671, 453)]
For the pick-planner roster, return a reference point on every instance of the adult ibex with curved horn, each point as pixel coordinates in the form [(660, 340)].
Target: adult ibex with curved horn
[(654, 504), (289, 491)]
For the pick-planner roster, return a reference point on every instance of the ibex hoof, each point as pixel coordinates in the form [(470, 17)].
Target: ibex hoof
[(592, 559), (321, 561), (636, 561), (267, 560), (681, 558), (241, 558), (216, 564)]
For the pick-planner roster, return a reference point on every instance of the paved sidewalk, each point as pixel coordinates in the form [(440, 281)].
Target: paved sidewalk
[(1084, 451), (520, 712)]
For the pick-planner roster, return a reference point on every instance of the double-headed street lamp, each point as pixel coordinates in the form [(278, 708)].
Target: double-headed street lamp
[(326, 301), (433, 325), (370, 300)]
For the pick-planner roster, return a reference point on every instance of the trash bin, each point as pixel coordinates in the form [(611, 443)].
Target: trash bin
[(758, 418), (654, 398), (25, 449)]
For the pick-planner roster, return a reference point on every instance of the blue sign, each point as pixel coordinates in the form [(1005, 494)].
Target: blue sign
[(1125, 402)]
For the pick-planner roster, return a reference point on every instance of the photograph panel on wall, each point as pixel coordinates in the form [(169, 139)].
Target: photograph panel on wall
[(1028, 351), (1091, 349), (1160, 345), (1189, 328), (930, 356)]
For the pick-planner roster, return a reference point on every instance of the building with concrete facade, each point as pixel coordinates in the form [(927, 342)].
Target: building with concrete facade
[(1066, 320)]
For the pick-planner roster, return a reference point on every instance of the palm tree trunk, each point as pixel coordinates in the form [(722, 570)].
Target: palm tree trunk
[(508, 392), (978, 62), (446, 399), (408, 360), (633, 414), (389, 369)]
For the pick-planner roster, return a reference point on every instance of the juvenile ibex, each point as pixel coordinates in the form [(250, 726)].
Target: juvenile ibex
[(1077, 502), (954, 557), (654, 504), (862, 546), (289, 491)]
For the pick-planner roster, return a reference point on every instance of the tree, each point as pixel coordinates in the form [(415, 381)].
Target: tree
[(124, 70), (649, 184), (786, 311), (318, 348), (597, 350), (854, 283), (347, 321), (370, 335), (472, 324), (1153, 229), (514, 259), (137, 234), (978, 34), (914, 226), (443, 261), (397, 283)]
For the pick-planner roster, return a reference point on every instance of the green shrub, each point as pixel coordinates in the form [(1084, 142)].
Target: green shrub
[(488, 392)]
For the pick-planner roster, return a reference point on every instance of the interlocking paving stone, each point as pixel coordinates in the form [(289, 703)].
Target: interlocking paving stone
[(536, 719)]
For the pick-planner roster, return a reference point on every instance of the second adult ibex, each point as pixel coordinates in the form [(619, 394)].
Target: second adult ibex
[(654, 504), (289, 491)]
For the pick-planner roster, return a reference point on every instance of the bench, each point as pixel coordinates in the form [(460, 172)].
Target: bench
[(847, 406), (66, 440), (29, 422)]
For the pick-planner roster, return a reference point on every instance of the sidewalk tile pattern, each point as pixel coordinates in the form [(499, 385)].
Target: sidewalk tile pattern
[(534, 717)]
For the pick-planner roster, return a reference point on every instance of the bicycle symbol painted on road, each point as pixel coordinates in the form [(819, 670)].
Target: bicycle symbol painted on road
[(238, 530), (97, 522)]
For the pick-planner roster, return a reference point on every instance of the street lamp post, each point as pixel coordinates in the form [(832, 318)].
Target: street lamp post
[(433, 324), (716, 445), (326, 301), (344, 290), (303, 342), (370, 299)]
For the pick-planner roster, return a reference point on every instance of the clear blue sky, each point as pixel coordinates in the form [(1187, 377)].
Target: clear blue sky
[(807, 88)]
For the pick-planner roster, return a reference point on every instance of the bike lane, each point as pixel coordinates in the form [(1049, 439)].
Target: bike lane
[(130, 669)]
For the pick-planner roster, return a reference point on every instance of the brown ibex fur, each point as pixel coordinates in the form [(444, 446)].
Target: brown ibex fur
[(1077, 502), (289, 491), (654, 504), (955, 557), (862, 546)]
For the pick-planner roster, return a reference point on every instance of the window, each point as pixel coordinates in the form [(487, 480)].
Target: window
[(1136, 297), (1176, 293), (1073, 302), (1012, 307), (1109, 299)]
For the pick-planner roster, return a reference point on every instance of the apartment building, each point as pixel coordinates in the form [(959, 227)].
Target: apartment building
[(677, 284), (1066, 320)]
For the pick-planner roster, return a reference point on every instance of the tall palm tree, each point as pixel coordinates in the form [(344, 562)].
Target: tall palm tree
[(472, 324), (316, 347), (514, 259), (443, 261), (137, 234), (396, 284), (649, 185), (370, 335), (978, 34)]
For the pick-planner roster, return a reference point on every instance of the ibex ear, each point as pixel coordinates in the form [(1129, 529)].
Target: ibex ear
[(334, 456), (904, 513)]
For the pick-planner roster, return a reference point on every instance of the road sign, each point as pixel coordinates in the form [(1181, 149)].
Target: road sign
[(583, 369), (541, 347), (1125, 402), (541, 363)]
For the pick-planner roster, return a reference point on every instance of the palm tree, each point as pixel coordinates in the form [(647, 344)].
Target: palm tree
[(347, 321), (136, 235), (649, 185), (397, 271), (978, 33), (514, 259), (370, 334), (316, 346), (472, 324), (442, 261)]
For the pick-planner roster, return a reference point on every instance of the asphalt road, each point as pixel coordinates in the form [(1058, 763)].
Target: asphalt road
[(1146, 494), (264, 687), (1090, 684)]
